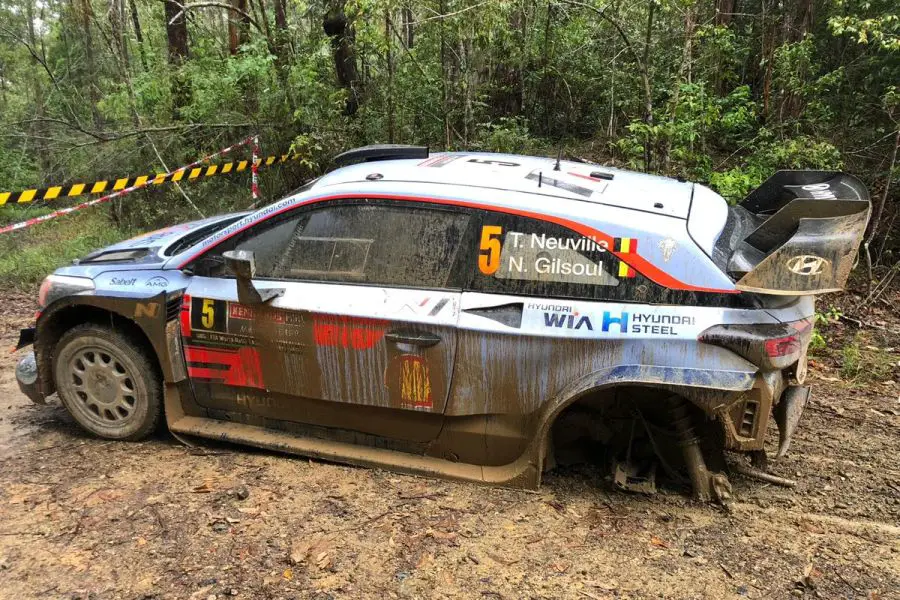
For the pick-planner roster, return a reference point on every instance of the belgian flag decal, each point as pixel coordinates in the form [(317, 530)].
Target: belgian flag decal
[(625, 246)]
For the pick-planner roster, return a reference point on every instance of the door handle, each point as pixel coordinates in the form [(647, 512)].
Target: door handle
[(415, 338)]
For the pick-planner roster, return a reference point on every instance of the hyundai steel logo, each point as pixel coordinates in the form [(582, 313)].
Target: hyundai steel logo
[(807, 265)]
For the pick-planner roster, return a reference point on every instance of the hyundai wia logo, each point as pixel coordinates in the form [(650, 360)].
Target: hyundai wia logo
[(808, 265)]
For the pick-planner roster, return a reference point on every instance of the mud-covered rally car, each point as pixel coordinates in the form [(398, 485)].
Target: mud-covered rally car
[(475, 316)]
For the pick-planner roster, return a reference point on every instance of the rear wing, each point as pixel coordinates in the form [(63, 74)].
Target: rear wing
[(805, 228)]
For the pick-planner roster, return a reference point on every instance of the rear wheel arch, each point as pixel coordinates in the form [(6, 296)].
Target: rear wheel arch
[(594, 390)]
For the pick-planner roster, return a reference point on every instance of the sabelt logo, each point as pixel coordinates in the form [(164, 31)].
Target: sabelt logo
[(808, 265)]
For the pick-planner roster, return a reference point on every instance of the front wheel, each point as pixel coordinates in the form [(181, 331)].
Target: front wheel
[(107, 382)]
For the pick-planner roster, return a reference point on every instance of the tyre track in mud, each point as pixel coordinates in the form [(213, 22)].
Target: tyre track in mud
[(86, 518)]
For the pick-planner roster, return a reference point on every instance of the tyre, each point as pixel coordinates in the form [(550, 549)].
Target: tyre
[(108, 382)]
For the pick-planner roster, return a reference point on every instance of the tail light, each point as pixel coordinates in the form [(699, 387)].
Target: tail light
[(768, 346)]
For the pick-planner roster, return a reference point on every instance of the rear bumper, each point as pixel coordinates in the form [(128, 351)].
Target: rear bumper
[(27, 378)]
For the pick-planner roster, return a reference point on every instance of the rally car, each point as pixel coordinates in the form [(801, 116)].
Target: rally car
[(468, 315)]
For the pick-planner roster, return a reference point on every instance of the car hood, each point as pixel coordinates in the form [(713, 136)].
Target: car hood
[(151, 250)]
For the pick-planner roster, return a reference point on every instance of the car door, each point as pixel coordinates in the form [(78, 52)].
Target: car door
[(362, 338)]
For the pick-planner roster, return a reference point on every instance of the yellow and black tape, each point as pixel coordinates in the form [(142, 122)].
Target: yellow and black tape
[(114, 185)]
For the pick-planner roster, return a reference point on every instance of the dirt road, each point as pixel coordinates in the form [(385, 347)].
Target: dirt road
[(84, 518)]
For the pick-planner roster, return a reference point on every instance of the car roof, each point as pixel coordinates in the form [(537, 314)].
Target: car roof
[(575, 181)]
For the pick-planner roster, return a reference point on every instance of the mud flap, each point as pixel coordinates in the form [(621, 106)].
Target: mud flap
[(787, 415)]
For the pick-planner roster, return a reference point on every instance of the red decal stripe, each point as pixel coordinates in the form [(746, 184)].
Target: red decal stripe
[(242, 366), (185, 316)]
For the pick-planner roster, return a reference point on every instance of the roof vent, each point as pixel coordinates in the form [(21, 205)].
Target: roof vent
[(380, 152)]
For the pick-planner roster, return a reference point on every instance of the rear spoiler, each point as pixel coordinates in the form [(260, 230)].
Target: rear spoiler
[(805, 230)]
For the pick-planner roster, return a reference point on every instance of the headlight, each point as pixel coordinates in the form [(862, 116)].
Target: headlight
[(55, 287)]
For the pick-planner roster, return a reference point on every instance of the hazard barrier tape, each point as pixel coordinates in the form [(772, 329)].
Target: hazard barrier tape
[(115, 185), (140, 182)]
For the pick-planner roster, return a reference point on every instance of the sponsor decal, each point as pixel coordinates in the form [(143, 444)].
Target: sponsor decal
[(238, 367), (488, 161), (146, 310), (808, 265), (667, 247), (428, 306), (415, 382), (538, 175), (255, 401), (819, 191), (158, 282), (625, 246), (569, 321), (123, 281), (347, 332), (542, 257), (656, 324), (440, 160), (610, 321), (250, 313)]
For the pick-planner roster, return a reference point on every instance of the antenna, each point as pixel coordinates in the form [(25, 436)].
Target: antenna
[(558, 157)]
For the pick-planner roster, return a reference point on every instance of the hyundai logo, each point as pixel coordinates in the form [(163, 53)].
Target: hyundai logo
[(808, 265)]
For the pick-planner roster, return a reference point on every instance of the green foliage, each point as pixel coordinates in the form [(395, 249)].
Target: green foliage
[(851, 358), (27, 256), (822, 321)]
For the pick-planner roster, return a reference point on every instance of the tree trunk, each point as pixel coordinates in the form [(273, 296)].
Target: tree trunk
[(138, 34), (92, 75), (389, 58), (444, 108), (38, 127), (408, 28), (176, 34), (238, 26), (177, 43), (724, 12), (116, 17), (342, 37), (648, 95)]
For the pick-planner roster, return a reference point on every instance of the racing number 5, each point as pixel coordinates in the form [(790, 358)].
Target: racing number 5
[(489, 258), (208, 313)]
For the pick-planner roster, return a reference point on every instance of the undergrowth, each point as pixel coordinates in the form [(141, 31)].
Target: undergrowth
[(29, 255)]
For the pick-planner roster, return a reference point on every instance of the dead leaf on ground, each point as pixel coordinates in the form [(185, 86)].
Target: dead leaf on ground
[(560, 567), (313, 549), (658, 542)]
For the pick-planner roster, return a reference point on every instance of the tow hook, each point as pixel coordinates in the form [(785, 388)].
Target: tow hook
[(787, 415)]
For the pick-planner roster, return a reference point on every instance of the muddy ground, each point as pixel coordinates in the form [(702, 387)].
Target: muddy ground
[(84, 518)]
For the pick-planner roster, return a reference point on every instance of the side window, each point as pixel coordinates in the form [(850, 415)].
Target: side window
[(372, 243), (376, 244), (267, 241), (530, 257)]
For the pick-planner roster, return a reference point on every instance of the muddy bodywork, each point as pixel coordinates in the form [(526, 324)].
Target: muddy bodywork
[(513, 307)]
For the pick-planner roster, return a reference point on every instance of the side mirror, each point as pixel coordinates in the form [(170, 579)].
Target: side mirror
[(243, 266)]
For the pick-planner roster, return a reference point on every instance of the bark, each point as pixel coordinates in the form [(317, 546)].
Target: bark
[(116, 17), (90, 64), (176, 34), (408, 28), (177, 44), (724, 12), (389, 58), (645, 76), (444, 108), (38, 128), (138, 34), (343, 38), (238, 26)]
